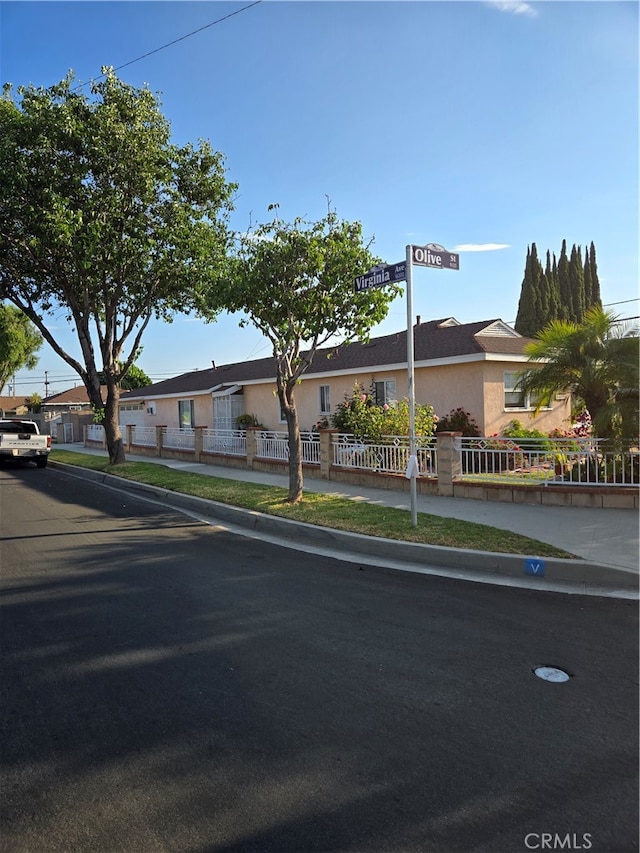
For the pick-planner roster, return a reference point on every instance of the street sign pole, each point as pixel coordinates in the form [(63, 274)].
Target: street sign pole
[(431, 255), (412, 469)]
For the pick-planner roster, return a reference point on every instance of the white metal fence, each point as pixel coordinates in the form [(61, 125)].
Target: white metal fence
[(579, 461), (310, 448), (179, 439), (143, 436), (232, 442), (275, 445), (389, 456), (532, 461), (95, 432)]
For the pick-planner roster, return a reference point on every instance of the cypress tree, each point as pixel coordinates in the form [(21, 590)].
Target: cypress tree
[(588, 288), (564, 290), (564, 285), (526, 317), (531, 314), (551, 275), (595, 282), (537, 278), (543, 300), (576, 279)]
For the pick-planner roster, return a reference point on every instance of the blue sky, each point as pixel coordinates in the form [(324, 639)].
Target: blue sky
[(475, 125)]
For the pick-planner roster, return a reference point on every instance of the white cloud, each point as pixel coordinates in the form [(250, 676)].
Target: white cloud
[(481, 247), (514, 7)]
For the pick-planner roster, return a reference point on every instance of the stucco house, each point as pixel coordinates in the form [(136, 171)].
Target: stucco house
[(74, 399), (473, 365), (12, 406), (63, 415)]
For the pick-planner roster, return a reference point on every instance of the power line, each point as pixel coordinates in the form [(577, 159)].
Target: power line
[(61, 380), (607, 305), (175, 41), (67, 382)]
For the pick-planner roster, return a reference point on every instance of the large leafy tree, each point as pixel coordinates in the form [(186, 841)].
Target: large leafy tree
[(105, 221), (295, 283), (597, 360), (135, 378), (19, 342)]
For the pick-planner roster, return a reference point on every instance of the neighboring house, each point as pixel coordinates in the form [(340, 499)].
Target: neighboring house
[(472, 365), (12, 407), (71, 408), (73, 399)]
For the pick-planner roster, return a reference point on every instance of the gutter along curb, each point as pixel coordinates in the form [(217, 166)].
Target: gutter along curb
[(577, 574)]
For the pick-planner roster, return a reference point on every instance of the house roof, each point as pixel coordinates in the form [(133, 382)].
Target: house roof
[(71, 397), (10, 404), (433, 340)]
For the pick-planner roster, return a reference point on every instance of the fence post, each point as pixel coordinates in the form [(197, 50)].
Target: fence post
[(252, 445), (159, 438), (326, 452), (448, 462), (129, 438), (197, 442)]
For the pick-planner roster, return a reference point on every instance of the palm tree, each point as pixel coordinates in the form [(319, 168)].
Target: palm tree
[(597, 360)]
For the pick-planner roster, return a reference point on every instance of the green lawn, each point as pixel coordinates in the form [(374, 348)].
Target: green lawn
[(327, 510)]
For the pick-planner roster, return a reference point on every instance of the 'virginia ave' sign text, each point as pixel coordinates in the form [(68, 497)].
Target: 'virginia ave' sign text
[(380, 276)]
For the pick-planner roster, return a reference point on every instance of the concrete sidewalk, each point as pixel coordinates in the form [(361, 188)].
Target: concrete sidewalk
[(603, 537)]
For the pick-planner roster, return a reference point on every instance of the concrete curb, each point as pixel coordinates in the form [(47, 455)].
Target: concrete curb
[(579, 574)]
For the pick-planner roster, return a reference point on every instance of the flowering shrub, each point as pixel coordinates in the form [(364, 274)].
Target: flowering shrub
[(516, 430), (323, 423), (458, 421), (580, 428), (396, 419), (359, 415)]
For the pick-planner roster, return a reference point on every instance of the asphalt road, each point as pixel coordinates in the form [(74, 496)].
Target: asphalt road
[(172, 686)]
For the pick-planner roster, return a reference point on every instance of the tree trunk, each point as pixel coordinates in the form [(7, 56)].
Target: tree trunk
[(111, 425), (295, 448), (596, 404)]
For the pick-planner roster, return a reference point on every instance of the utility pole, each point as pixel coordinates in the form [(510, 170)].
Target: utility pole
[(46, 383)]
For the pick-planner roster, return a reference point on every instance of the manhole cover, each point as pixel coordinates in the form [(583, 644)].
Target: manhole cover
[(551, 673)]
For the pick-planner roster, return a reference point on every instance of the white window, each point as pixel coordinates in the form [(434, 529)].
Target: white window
[(514, 398), (385, 392), (186, 414), (325, 400)]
